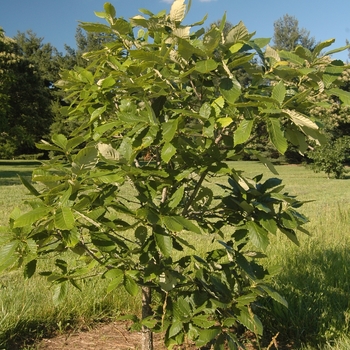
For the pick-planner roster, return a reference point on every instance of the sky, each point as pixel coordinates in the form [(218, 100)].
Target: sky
[(56, 21)]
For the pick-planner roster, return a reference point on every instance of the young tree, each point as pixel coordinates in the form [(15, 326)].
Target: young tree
[(287, 34), (173, 91)]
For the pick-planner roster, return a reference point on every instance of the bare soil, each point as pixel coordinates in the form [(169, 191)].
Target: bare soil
[(111, 336), (117, 336)]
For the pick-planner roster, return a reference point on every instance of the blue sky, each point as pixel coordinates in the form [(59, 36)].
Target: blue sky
[(56, 21)]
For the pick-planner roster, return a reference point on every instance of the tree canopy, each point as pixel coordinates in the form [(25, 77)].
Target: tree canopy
[(171, 89), (287, 34), (25, 109)]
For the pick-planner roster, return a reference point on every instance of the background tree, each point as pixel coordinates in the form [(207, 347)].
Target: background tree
[(287, 34), (26, 102), (334, 113)]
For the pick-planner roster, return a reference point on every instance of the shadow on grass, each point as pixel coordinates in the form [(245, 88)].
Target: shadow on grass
[(11, 177), (26, 333), (316, 285)]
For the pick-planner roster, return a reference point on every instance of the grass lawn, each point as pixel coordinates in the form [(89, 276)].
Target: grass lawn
[(314, 277)]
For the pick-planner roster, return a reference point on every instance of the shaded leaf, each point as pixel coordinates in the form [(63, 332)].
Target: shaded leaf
[(164, 243), (230, 90)]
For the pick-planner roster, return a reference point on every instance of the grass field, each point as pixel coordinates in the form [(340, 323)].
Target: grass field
[(314, 278)]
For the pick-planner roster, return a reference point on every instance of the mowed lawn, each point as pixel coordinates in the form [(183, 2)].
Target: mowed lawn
[(314, 278)]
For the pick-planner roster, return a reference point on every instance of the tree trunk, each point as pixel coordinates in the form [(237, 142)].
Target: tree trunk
[(147, 336)]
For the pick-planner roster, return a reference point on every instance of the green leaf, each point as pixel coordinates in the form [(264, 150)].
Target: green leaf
[(250, 321), (164, 243), (60, 140), (86, 158), (269, 225), (109, 9), (179, 223), (70, 238), (177, 10), (290, 234), (274, 295), (276, 135), (97, 112), (167, 281), (60, 293), (237, 33), (289, 56), (300, 119), (279, 92), (32, 216), (243, 131), (108, 152), (122, 26), (106, 83), (30, 268), (117, 277), (258, 235), (344, 96), (172, 223), (230, 90), (319, 47), (339, 49), (29, 186), (169, 129), (75, 141), (95, 27), (211, 40), (141, 233), (203, 321), (266, 162), (116, 282), (130, 285), (236, 47), (47, 147), (167, 152), (207, 335), (206, 66), (177, 197), (205, 110), (146, 56), (175, 328), (7, 254)]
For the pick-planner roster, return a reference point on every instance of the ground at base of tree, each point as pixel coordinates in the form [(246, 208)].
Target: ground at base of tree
[(117, 336)]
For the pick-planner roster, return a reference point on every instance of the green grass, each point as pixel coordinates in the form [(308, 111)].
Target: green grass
[(315, 277)]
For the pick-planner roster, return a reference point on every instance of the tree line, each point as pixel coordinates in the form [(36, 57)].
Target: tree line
[(31, 104)]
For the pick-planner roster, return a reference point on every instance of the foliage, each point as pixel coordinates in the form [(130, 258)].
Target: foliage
[(287, 35), (306, 278), (333, 111), (25, 113), (330, 158), (172, 93)]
